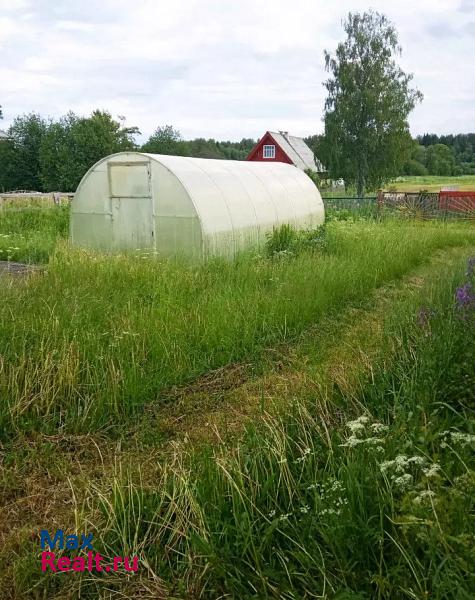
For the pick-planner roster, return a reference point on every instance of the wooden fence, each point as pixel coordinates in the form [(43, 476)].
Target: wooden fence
[(26, 199)]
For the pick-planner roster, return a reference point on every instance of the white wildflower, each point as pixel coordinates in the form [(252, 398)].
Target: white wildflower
[(401, 463), (304, 509), (424, 495), (337, 486), (285, 517), (330, 511), (378, 427), (404, 481), (464, 439), (272, 514), (358, 424), (351, 442), (373, 441), (432, 471)]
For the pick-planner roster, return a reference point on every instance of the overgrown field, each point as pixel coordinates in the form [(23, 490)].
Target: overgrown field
[(412, 183), (295, 424), (433, 183), (29, 234)]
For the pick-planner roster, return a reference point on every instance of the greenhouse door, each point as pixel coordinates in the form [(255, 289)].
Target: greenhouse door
[(133, 225)]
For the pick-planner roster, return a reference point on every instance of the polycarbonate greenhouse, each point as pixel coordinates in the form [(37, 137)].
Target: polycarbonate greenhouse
[(189, 207)]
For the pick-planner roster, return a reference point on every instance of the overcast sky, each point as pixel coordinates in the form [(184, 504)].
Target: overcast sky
[(220, 68)]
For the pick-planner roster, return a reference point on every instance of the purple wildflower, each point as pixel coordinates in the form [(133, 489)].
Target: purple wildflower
[(464, 296)]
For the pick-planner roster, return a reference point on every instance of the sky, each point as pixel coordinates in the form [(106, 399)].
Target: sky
[(218, 68)]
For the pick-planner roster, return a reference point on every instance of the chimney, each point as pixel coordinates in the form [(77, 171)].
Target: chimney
[(284, 133)]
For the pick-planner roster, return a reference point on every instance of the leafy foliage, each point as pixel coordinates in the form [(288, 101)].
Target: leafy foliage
[(72, 145), (288, 241), (48, 156), (367, 136), (440, 160), (165, 140), (7, 166), (461, 145), (168, 140), (26, 134)]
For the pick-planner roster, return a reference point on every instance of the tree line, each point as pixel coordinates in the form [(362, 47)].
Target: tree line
[(442, 155), (53, 155), (46, 155), (428, 154)]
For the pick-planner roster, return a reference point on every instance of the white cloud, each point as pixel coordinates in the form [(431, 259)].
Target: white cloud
[(13, 5), (219, 69)]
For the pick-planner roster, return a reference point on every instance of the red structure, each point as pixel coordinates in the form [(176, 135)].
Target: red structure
[(457, 201), (282, 147), (445, 204), (257, 153)]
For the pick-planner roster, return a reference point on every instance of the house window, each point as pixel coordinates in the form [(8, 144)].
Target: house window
[(269, 152)]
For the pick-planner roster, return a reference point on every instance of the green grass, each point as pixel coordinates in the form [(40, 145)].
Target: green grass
[(432, 183), (358, 483), (358, 493), (30, 234), (95, 338), (373, 504), (412, 183)]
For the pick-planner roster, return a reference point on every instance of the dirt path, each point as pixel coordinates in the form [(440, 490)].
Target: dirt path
[(15, 268)]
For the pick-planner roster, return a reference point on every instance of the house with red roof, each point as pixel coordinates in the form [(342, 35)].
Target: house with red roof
[(282, 147)]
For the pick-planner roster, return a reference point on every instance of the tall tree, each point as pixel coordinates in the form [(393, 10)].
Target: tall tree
[(166, 140), (7, 161), (367, 138), (72, 145), (26, 134), (440, 160)]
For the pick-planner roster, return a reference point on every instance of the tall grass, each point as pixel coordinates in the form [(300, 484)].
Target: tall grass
[(374, 503), (347, 209), (95, 337), (30, 234)]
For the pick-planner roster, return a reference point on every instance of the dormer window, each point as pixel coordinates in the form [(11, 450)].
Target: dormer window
[(269, 152)]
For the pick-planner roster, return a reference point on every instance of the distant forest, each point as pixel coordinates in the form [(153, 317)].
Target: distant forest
[(459, 160), (431, 154), (46, 155)]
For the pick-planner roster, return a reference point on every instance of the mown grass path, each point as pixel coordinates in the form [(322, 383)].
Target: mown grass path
[(94, 339), (49, 479)]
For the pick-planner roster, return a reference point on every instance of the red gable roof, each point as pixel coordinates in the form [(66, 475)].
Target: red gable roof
[(257, 153)]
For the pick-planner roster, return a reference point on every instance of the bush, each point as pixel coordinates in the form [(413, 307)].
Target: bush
[(280, 240), (286, 240), (414, 167)]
